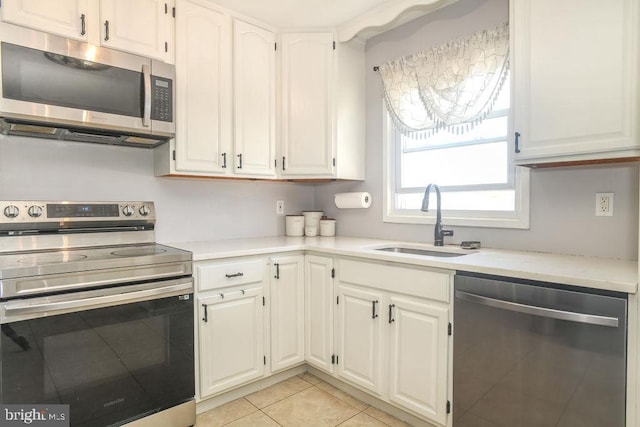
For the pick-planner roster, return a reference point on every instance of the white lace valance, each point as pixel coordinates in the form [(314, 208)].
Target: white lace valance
[(450, 87)]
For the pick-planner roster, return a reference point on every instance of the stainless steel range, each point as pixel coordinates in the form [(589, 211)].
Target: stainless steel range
[(95, 314)]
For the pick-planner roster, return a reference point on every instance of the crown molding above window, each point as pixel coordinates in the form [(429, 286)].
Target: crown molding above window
[(387, 16)]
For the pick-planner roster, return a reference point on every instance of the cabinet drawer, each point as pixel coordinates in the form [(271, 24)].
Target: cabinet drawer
[(412, 281), (216, 275)]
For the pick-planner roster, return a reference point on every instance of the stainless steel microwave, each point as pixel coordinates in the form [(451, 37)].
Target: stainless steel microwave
[(59, 88)]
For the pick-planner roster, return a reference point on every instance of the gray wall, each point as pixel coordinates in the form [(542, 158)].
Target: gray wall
[(187, 209), (562, 200)]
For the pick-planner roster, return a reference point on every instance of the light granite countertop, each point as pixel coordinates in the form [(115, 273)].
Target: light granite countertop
[(590, 272)]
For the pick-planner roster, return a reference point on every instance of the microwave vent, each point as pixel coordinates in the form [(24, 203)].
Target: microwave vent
[(10, 126)]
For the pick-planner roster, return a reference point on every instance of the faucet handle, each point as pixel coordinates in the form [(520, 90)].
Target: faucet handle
[(446, 232)]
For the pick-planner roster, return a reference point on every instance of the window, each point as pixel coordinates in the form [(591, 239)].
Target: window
[(474, 170)]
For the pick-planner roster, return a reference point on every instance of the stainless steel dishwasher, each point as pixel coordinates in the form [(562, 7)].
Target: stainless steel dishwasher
[(536, 354)]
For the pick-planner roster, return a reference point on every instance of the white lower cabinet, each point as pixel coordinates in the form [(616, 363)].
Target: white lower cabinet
[(360, 334), (287, 312), (393, 334), (418, 356), (319, 312), (231, 320), (382, 327), (231, 339)]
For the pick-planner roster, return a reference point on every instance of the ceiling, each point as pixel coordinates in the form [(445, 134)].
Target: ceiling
[(302, 13)]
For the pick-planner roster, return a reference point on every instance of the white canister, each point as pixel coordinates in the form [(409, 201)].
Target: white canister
[(294, 225), (328, 227), (310, 230), (312, 218)]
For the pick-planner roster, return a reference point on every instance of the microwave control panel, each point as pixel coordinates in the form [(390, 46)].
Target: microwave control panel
[(161, 99)]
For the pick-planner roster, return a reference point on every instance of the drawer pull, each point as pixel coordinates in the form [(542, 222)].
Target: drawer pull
[(391, 319), (373, 309), (230, 276), (277, 276)]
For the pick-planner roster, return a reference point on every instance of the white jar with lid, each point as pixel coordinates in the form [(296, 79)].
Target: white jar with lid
[(294, 225), (312, 218), (328, 227)]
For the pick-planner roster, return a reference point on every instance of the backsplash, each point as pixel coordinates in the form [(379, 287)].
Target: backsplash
[(188, 209)]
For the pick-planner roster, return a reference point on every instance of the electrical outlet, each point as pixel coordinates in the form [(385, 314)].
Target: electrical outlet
[(604, 204), (280, 207)]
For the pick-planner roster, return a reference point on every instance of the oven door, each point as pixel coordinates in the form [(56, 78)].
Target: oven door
[(113, 355)]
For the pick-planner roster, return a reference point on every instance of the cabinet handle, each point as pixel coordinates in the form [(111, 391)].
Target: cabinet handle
[(391, 319), (205, 318), (224, 160), (83, 27), (283, 164), (277, 276), (229, 276), (106, 31), (373, 309), (239, 161), (517, 142)]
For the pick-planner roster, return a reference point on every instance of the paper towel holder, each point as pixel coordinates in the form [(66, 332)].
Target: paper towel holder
[(354, 200)]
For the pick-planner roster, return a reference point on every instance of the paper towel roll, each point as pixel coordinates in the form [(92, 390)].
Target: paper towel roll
[(353, 200)]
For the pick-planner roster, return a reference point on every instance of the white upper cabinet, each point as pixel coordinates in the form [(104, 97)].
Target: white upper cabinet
[(225, 97), (307, 104), (142, 27), (575, 74), (322, 105), (145, 27), (254, 100), (203, 90), (67, 18)]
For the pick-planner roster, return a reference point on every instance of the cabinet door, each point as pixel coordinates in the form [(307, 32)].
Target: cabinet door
[(203, 90), (419, 356), (143, 27), (254, 81), (231, 348), (360, 336), (287, 312), (68, 18), (575, 79), (319, 303), (307, 104)]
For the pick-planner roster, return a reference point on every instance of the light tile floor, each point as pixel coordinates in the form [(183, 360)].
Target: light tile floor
[(303, 400)]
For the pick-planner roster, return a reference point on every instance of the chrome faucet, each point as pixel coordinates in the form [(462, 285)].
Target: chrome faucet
[(438, 231)]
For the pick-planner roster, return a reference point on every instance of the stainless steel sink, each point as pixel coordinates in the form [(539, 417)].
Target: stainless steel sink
[(424, 252)]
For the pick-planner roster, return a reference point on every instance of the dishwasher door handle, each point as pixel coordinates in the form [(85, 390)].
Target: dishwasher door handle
[(551, 313)]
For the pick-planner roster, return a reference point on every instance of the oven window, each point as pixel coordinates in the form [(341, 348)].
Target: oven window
[(110, 364), (35, 76)]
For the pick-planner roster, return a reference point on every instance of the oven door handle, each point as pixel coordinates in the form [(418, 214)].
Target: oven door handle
[(176, 287), (571, 316)]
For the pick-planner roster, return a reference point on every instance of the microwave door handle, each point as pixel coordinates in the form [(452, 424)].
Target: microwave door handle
[(146, 116)]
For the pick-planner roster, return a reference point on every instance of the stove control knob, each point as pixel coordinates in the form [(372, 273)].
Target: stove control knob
[(128, 210), (11, 211), (35, 211), (144, 210)]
